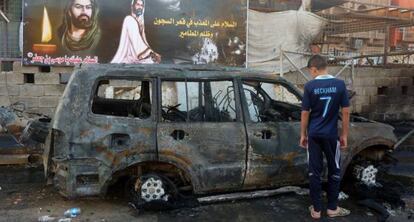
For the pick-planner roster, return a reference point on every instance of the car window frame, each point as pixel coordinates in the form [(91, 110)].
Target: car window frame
[(238, 107), (246, 114), (154, 98)]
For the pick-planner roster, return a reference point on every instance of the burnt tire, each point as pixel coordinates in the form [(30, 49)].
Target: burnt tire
[(152, 192)]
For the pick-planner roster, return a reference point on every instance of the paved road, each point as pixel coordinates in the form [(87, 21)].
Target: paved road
[(26, 202)]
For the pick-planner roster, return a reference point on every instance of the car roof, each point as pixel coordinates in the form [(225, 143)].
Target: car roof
[(174, 71)]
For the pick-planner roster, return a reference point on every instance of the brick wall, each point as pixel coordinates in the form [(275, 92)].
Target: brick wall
[(38, 89), (381, 94)]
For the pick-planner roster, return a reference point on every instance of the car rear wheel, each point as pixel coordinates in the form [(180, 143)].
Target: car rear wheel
[(152, 191)]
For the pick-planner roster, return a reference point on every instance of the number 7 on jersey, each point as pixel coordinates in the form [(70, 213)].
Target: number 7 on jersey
[(327, 100)]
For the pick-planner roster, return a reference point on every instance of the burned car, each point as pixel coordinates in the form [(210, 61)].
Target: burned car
[(175, 131)]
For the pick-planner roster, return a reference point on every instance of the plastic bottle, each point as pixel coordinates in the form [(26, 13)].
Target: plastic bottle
[(73, 212)]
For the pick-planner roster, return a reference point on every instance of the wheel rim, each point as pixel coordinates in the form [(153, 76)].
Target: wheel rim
[(152, 189)]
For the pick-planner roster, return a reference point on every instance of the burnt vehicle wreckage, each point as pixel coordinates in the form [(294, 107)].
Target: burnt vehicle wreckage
[(177, 133), (22, 135)]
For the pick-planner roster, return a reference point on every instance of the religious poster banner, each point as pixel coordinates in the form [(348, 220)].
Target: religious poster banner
[(71, 32)]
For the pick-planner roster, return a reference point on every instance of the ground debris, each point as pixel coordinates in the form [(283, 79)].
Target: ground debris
[(343, 196), (46, 218), (252, 195)]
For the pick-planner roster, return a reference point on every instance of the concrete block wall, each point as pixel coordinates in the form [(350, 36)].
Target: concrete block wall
[(382, 94), (39, 90)]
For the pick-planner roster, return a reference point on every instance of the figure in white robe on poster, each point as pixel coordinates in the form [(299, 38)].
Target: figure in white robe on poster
[(133, 46)]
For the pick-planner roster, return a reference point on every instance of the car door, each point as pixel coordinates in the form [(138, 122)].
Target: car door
[(273, 129), (200, 129)]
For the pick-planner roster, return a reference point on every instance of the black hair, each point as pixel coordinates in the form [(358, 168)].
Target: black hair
[(318, 62)]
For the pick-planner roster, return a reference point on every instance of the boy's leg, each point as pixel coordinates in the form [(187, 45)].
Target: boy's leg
[(315, 165), (332, 151)]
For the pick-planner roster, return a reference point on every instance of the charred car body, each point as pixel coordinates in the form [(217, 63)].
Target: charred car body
[(175, 130)]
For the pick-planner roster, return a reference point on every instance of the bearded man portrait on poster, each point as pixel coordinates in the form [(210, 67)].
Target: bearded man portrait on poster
[(80, 31), (133, 45)]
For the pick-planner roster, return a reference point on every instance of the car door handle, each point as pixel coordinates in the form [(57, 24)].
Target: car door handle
[(178, 134)]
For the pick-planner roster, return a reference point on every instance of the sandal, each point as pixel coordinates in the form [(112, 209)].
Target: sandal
[(314, 213), (342, 212)]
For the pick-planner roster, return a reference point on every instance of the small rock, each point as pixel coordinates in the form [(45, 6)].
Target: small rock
[(370, 214), (343, 196), (46, 218), (65, 220)]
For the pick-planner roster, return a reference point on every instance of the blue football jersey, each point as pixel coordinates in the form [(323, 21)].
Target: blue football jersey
[(323, 97)]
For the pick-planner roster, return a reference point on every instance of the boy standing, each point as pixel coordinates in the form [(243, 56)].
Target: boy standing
[(323, 98)]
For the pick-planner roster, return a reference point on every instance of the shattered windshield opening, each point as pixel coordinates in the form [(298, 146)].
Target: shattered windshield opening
[(271, 102)]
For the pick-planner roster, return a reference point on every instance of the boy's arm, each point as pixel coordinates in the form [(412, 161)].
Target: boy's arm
[(304, 120), (303, 129), (345, 118), (345, 127)]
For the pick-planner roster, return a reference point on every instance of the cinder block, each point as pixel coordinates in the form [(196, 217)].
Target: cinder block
[(13, 90), (404, 81), (2, 78), (4, 101), (358, 82), (15, 78), (46, 79), (394, 81), (48, 102), (367, 108), (373, 99), (369, 81), (377, 116), (370, 91), (357, 108), (407, 72), (359, 91), (54, 90), (31, 90), (382, 82), (17, 67), (362, 100), (30, 69), (61, 69), (3, 91), (394, 91), (29, 102), (405, 116), (410, 91)]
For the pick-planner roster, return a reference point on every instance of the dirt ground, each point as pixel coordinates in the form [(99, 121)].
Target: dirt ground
[(27, 202)]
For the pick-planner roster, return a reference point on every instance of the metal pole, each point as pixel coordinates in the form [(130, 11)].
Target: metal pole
[(281, 62), (4, 16), (342, 70), (297, 68), (386, 44)]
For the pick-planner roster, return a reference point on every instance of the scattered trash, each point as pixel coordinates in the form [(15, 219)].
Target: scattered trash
[(389, 209), (65, 220), (343, 196), (370, 214), (17, 201), (46, 218), (0, 188), (73, 212)]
